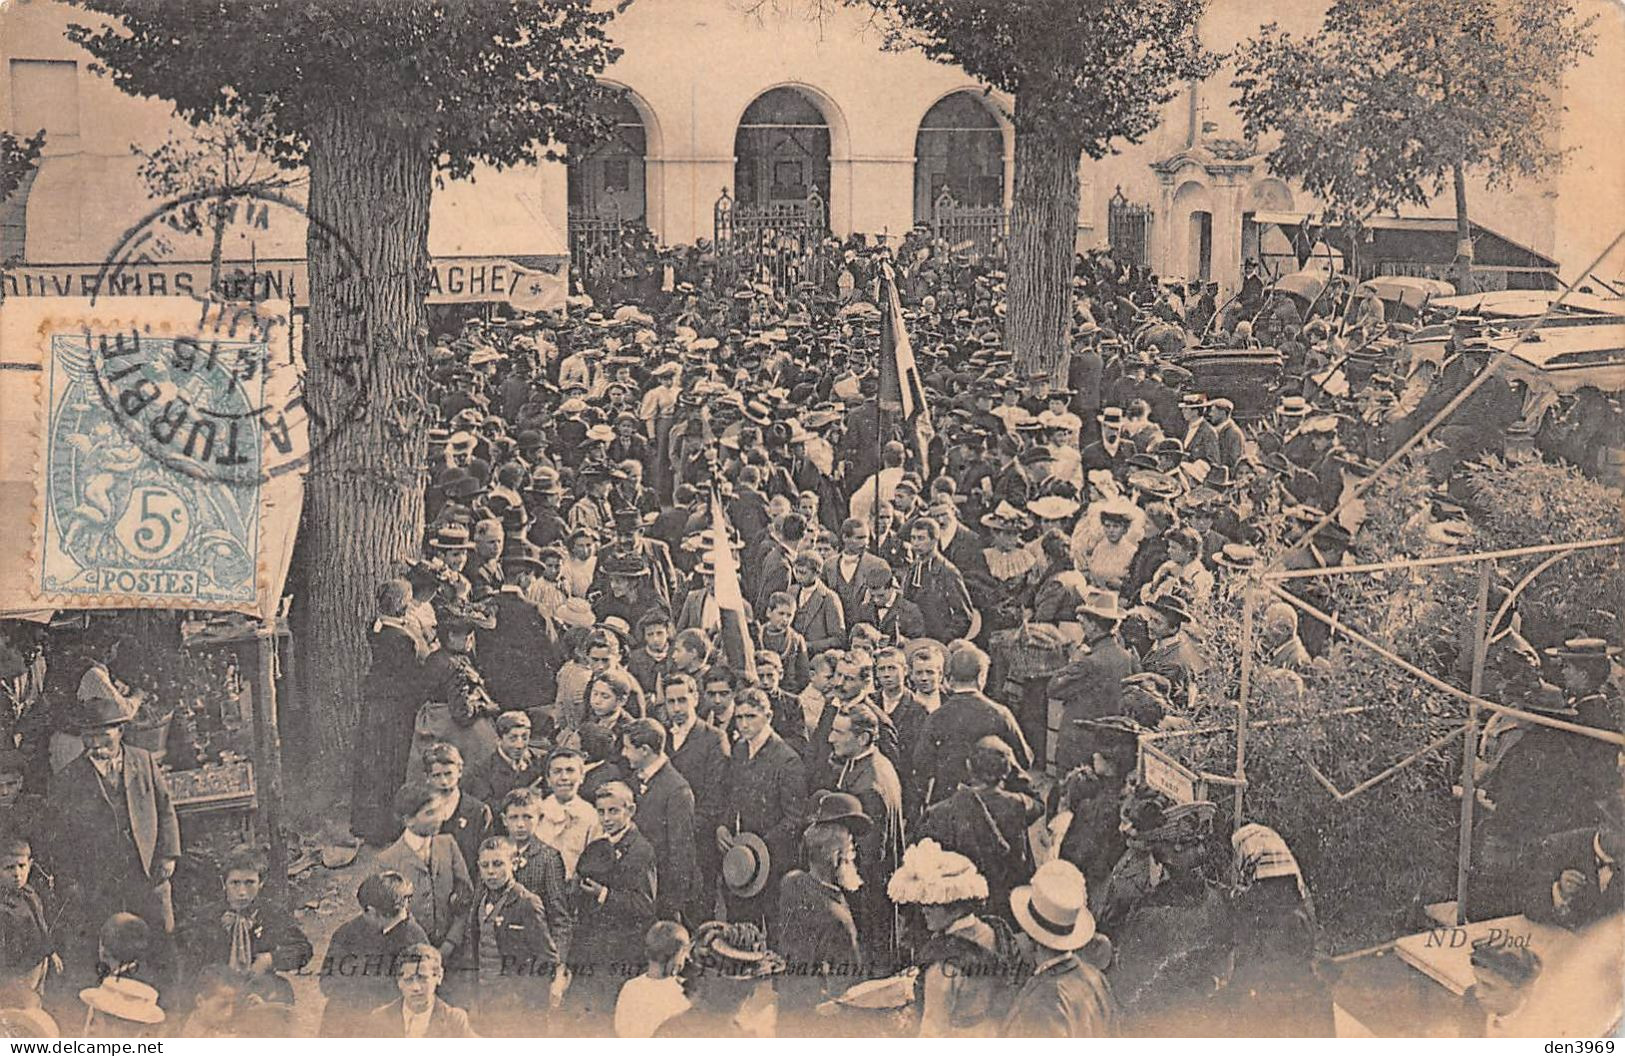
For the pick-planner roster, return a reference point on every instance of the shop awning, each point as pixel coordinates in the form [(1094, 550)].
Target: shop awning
[(490, 240)]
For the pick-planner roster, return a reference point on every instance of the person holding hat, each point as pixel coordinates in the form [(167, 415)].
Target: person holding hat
[(966, 988), (114, 834), (615, 904), (728, 965), (1066, 996), (1090, 686), (819, 936), (764, 796)]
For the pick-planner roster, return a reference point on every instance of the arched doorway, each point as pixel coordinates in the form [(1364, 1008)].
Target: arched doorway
[(607, 178), (958, 149), (1190, 254), (781, 150)]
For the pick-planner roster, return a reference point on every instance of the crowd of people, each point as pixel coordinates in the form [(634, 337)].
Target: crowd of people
[(905, 798)]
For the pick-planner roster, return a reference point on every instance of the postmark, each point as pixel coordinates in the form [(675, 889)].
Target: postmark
[(161, 390)]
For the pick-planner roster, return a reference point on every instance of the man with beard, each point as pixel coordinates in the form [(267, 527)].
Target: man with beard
[(816, 932), (115, 836)]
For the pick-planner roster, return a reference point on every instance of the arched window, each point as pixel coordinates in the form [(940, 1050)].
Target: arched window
[(607, 176), (781, 151), (959, 149)]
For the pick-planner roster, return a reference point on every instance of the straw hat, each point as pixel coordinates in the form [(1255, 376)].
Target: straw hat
[(931, 876), (1053, 909), (746, 865), (127, 999)]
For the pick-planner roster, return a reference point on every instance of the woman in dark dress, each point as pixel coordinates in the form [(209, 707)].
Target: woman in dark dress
[(1273, 989)]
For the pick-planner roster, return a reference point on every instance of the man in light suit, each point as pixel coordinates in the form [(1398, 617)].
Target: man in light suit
[(819, 616), (845, 571), (114, 834), (665, 812), (431, 860)]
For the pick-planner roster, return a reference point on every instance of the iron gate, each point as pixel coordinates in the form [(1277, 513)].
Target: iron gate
[(596, 248), (1128, 229), (977, 231), (776, 244)]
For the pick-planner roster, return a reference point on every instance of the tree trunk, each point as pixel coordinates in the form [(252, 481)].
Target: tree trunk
[(1463, 267), (368, 247), (1043, 237)]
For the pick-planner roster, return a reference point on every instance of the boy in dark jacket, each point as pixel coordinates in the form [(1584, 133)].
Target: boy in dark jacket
[(359, 968)]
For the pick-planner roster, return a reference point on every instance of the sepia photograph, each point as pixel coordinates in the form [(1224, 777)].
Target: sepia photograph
[(777, 519)]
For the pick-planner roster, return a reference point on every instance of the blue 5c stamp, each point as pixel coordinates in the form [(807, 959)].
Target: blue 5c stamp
[(152, 467)]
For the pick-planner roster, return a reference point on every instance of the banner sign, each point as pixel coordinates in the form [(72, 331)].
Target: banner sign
[(452, 280)]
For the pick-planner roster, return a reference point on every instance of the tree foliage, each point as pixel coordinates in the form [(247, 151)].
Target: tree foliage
[(492, 81), (1379, 107), (1102, 70), (18, 158), (216, 165)]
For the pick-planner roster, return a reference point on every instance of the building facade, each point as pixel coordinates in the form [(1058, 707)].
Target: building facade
[(777, 111)]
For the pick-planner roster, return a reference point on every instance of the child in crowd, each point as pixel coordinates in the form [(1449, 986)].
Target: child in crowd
[(648, 1000), (358, 970)]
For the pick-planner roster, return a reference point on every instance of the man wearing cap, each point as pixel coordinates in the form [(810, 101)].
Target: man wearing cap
[(1066, 996), (1232, 441), (542, 500), (817, 934), (1200, 440), (520, 654), (883, 607), (1090, 687), (115, 837)]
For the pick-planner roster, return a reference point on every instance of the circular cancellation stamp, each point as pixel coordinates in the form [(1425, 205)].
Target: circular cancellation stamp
[(225, 399)]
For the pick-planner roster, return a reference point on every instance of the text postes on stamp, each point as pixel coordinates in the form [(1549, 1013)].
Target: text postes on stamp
[(119, 519)]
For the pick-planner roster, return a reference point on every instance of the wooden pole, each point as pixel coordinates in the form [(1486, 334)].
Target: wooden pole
[(1469, 743), (1242, 692), (1533, 717), (268, 761), (1445, 559)]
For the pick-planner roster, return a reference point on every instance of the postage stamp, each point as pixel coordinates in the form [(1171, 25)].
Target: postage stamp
[(118, 522)]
